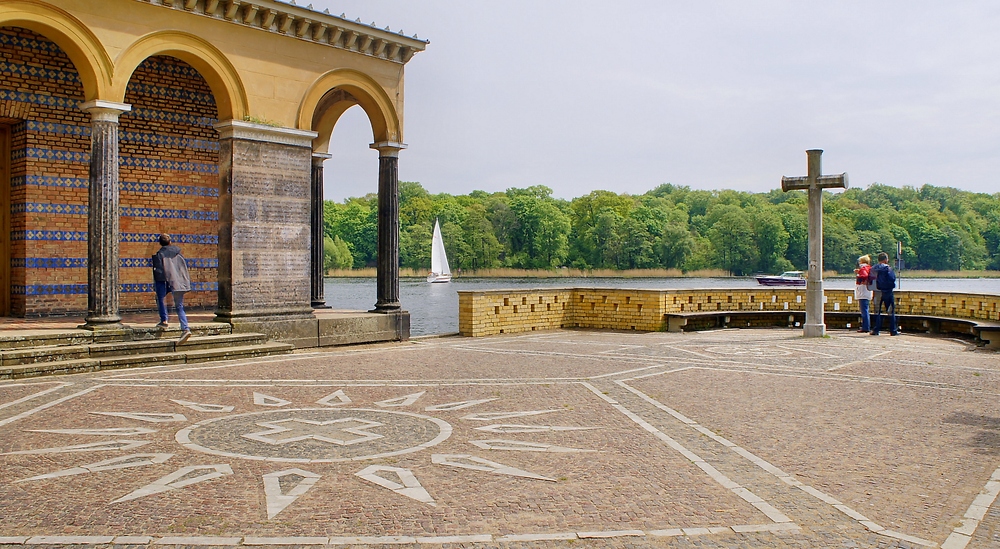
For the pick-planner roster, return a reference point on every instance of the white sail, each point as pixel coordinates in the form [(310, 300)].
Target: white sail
[(440, 271)]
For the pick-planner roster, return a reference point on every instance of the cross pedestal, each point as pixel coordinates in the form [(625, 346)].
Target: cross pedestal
[(814, 183)]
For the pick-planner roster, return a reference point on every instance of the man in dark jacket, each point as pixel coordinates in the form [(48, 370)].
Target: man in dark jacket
[(885, 282), (173, 270)]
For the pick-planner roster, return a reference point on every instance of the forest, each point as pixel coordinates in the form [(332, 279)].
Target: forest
[(674, 227)]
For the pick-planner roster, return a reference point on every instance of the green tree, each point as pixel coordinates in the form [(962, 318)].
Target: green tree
[(336, 254)]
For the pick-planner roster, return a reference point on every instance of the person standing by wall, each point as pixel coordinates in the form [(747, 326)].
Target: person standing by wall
[(885, 282), (862, 293), (177, 279)]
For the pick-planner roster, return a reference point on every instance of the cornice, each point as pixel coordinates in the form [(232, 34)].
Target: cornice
[(304, 24), (238, 129)]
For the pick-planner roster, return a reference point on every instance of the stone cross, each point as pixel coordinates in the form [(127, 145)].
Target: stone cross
[(814, 183)]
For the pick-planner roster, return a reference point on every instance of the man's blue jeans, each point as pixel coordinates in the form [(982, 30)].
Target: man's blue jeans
[(889, 301), (865, 319), (161, 298), (179, 304)]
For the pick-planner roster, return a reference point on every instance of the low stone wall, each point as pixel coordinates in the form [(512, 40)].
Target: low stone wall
[(483, 313)]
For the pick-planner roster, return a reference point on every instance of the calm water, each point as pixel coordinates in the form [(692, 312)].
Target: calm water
[(434, 307)]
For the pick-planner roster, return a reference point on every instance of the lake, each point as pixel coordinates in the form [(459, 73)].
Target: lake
[(434, 307)]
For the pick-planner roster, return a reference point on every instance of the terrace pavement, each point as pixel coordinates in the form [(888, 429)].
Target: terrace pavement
[(727, 438)]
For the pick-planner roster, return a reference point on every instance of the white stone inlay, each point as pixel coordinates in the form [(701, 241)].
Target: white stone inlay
[(151, 417), (404, 400), (260, 399), (962, 535), (517, 428), (521, 446), (408, 484), (204, 407), (457, 405), (177, 480), (343, 432), (491, 416), (467, 461), (90, 447), (276, 500), (69, 540), (109, 432), (123, 462), (339, 396)]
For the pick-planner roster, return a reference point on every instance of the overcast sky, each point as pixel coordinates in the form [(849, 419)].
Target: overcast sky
[(580, 95)]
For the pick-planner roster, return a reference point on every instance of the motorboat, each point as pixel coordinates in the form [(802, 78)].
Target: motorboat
[(787, 278)]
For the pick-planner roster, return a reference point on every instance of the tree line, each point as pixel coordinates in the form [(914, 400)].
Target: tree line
[(673, 227)]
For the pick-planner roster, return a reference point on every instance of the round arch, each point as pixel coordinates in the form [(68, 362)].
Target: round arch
[(215, 68), (319, 114), (88, 55)]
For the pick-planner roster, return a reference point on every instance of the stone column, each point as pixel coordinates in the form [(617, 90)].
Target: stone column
[(264, 223), (102, 219), (387, 268), (815, 325), (318, 299)]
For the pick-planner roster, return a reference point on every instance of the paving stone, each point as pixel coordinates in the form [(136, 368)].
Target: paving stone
[(731, 438)]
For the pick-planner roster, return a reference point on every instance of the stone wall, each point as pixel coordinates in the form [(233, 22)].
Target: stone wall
[(499, 311), (168, 172)]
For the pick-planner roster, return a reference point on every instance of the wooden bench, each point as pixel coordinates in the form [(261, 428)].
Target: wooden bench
[(985, 331)]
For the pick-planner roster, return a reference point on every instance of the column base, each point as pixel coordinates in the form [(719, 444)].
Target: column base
[(814, 330), (320, 305), (103, 323), (387, 308)]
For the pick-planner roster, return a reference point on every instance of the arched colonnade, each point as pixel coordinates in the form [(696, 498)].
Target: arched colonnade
[(247, 147)]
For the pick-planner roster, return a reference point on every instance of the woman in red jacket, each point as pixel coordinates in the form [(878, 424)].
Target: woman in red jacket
[(861, 291)]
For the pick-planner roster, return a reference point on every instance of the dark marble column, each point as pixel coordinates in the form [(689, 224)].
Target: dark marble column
[(318, 299), (102, 221), (387, 268)]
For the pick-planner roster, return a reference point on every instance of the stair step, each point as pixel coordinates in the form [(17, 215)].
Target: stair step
[(167, 345), (249, 351), (26, 339), (57, 353), (183, 356)]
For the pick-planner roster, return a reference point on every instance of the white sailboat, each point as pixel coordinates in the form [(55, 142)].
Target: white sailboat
[(440, 271)]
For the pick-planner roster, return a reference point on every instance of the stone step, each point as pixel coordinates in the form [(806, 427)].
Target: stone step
[(23, 339), (184, 355), (124, 348)]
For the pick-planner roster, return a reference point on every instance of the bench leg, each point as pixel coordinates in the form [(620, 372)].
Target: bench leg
[(992, 339), (675, 324)]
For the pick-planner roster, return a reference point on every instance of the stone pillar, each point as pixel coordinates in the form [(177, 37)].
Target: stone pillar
[(102, 219), (815, 325), (387, 268), (265, 178), (316, 242)]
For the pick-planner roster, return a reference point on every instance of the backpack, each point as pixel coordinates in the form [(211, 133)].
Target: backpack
[(885, 280)]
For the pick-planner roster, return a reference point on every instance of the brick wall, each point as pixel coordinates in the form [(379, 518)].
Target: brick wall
[(168, 173), (169, 158), (494, 312)]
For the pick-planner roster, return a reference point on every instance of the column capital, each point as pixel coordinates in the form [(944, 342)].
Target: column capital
[(319, 158), (388, 148), (104, 111)]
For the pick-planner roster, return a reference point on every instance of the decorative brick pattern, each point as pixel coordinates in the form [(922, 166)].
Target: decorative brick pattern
[(168, 170)]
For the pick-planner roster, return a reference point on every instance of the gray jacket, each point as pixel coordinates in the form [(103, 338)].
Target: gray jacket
[(174, 268)]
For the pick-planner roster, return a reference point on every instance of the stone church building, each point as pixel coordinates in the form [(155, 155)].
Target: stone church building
[(205, 119)]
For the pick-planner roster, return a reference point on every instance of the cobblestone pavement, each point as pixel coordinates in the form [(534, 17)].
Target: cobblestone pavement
[(730, 438)]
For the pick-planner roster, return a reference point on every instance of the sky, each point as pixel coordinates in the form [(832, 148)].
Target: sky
[(579, 95)]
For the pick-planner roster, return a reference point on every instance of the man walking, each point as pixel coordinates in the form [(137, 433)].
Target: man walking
[(885, 282), (170, 266)]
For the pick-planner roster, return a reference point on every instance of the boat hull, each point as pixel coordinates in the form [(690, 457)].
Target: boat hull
[(435, 278), (780, 281)]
